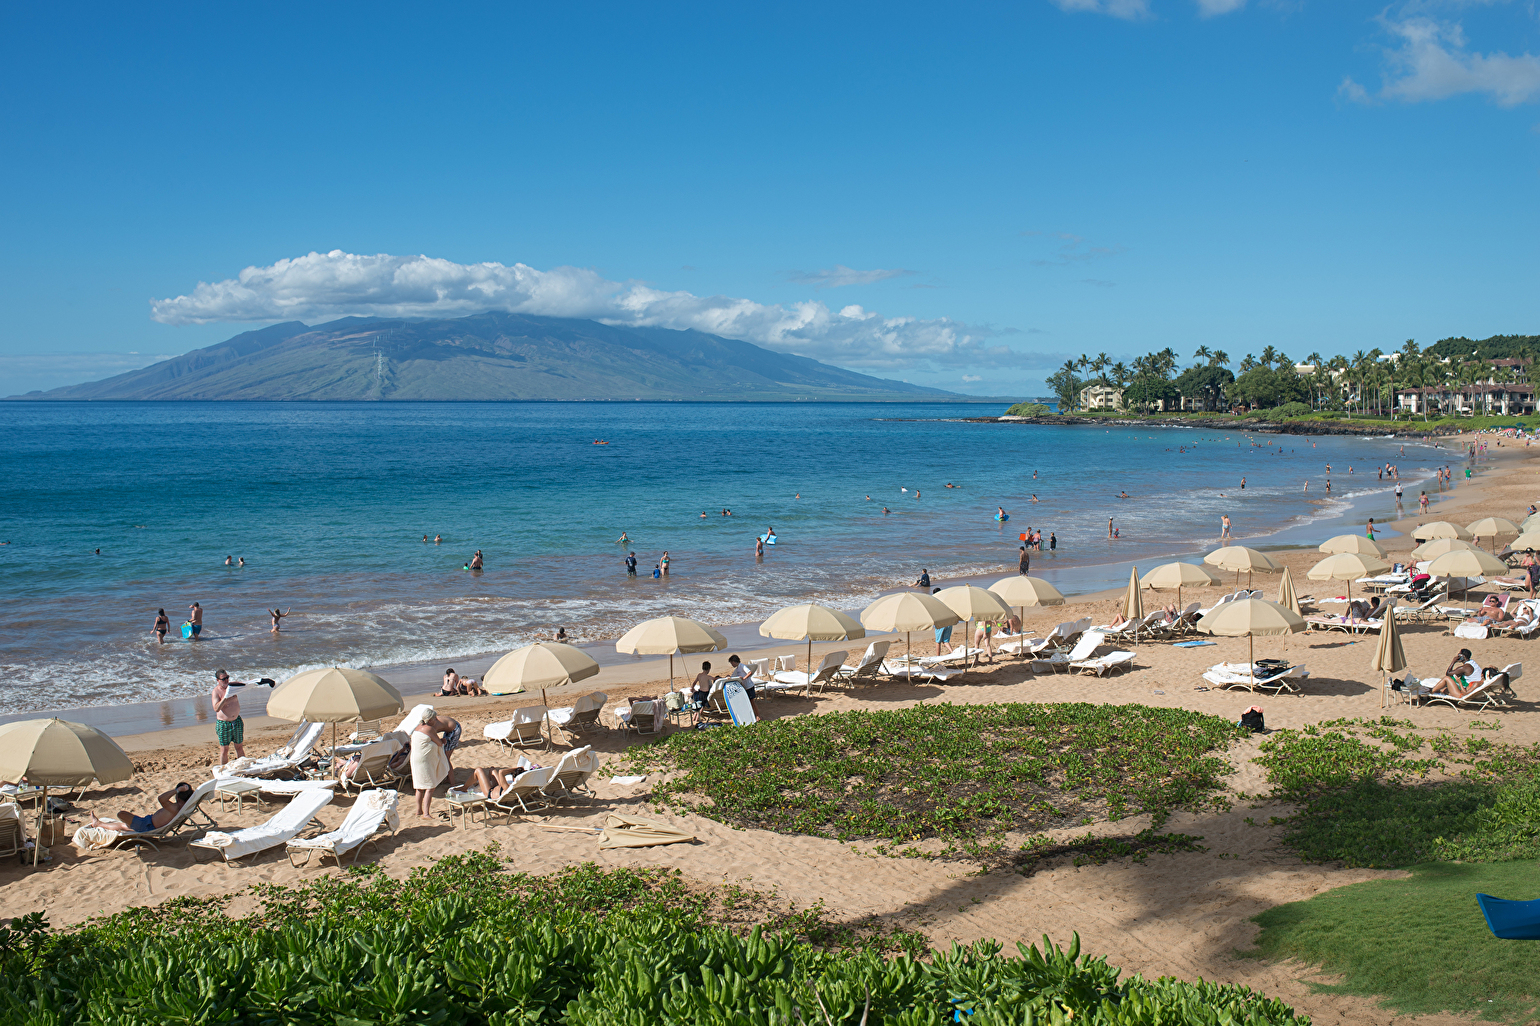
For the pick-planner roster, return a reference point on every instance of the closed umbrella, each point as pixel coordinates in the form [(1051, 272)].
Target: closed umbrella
[(1346, 566), (1467, 563), (1179, 575), (1286, 596), (336, 694), (1249, 618), (670, 636), (1133, 599), (1388, 655), (1438, 546), (1352, 543), (973, 603), (1491, 527), (53, 752), (907, 611), (1027, 591), (813, 622), (1441, 529), (1240, 558)]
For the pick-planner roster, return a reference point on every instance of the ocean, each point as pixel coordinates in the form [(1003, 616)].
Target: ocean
[(328, 504)]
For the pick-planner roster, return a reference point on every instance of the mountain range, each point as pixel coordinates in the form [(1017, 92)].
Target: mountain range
[(488, 356)]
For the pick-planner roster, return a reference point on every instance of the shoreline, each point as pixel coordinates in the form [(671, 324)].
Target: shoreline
[(419, 680)]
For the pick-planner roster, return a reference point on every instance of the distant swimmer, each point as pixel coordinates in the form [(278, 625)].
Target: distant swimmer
[(703, 514), (1000, 513), (425, 539), (868, 498), (769, 533), (886, 510), (560, 635), (622, 540), (437, 539), (239, 562), (1034, 475), (277, 616), (799, 495), (1124, 495), (1034, 497), (98, 552), (917, 493), (727, 512), (229, 561)]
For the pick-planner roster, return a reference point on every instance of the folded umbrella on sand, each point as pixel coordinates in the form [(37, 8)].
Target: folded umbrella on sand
[(1352, 543), (1286, 596), (1133, 600), (670, 636), (811, 622), (57, 753), (1389, 657), (907, 611)]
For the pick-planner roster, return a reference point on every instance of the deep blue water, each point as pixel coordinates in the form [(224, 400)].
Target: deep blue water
[(328, 504)]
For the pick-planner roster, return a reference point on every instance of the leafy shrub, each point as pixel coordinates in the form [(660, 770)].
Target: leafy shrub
[(1029, 410), (1288, 410), (463, 943)]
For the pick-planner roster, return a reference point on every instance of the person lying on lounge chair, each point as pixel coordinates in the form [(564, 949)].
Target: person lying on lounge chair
[(492, 781), (1491, 612), (1462, 677), (170, 804)]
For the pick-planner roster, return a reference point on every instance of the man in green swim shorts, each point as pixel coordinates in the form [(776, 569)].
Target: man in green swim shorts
[(229, 728)]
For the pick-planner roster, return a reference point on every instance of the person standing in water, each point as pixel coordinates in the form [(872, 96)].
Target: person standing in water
[(195, 617), (630, 564), (1109, 527), (1224, 527), (162, 625), (276, 615), (759, 548), (664, 562), (476, 562)]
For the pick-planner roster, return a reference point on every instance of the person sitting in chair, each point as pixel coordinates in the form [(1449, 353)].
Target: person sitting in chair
[(171, 803), (1461, 678), (1491, 612)]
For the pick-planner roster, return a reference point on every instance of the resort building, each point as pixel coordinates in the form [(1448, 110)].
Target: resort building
[(1101, 397)]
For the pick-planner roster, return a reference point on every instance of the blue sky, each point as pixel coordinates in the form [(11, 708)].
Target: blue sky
[(958, 195)]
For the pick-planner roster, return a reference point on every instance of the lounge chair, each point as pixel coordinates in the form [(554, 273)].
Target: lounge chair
[(254, 840), (791, 680), (270, 791), (286, 760), (1187, 621), (530, 785), (526, 728), (642, 717), (1278, 683), (1427, 611), (13, 839), (1101, 666), (1517, 630), (1343, 624), (870, 664), (372, 812), (570, 775), (1482, 696), (98, 837), (1089, 642), (582, 717), (368, 730), (374, 765), (1221, 601), (759, 669), (908, 670)]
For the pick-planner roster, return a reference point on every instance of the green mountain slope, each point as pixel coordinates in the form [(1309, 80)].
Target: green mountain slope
[(487, 357)]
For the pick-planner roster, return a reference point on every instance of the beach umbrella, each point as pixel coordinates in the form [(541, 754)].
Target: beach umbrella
[(58, 753), (1527, 540), (907, 611), (1352, 543), (1027, 591), (1467, 563), (1179, 575), (1251, 618), (335, 694), (1286, 596), (1239, 558), (545, 664), (670, 636), (1346, 566), (1388, 655), (973, 603), (1438, 546), (1491, 527), (1441, 529), (813, 622), (1133, 598)]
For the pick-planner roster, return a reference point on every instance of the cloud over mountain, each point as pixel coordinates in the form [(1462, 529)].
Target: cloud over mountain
[(337, 284)]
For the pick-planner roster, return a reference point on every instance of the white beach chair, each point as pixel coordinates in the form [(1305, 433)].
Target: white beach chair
[(870, 664), (1219, 602), (254, 840), (269, 791), (642, 717), (785, 662), (97, 837), (1483, 696), (1089, 642), (1243, 676), (373, 812), (1101, 666), (374, 764), (916, 670), (582, 717), (1429, 610), (759, 669), (523, 791), (526, 728), (790, 680), (571, 773), (13, 839), (286, 760)]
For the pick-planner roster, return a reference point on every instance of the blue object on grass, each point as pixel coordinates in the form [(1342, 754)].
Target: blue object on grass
[(1511, 920)]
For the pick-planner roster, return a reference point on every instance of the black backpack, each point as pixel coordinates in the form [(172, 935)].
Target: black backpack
[(1252, 720)]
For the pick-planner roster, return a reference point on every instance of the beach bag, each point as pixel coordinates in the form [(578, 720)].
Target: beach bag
[(674, 700), (54, 831), (1251, 719)]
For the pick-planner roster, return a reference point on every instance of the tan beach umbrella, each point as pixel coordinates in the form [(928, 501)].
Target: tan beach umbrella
[(670, 636), (1346, 566), (1133, 598), (1352, 543), (1491, 527), (973, 603), (1251, 617), (1179, 575), (1388, 655), (1438, 546), (336, 694), (545, 664), (1527, 540), (1239, 558), (1022, 592), (813, 622), (1286, 596), (1467, 563), (53, 752), (1441, 529), (907, 611)]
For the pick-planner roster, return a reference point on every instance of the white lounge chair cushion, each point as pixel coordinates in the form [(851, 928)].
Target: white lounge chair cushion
[(286, 757), (502, 731), (371, 809), (293, 818), (587, 703)]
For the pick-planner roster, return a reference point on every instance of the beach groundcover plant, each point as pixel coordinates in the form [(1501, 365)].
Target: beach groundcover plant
[(958, 773), (466, 942)]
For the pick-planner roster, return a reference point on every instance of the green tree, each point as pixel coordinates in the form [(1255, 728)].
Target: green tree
[(1066, 384), (1206, 384)]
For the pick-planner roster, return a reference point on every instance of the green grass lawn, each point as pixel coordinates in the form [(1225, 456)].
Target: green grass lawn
[(1421, 944)]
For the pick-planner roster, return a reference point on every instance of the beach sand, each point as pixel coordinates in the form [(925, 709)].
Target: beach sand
[(1183, 915)]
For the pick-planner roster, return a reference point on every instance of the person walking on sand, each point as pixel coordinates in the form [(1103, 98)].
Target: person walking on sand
[(276, 615), (1422, 504), (229, 728), (162, 625), (1370, 529), (195, 617)]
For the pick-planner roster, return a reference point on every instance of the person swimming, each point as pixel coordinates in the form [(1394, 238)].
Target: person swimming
[(1124, 495)]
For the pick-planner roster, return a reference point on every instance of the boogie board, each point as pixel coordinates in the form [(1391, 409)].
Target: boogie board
[(768, 539), (738, 704), (187, 629), (1002, 519)]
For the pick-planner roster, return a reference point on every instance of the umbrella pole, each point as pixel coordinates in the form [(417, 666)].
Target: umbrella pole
[(671, 671), (1251, 644), (908, 660), (810, 656), (37, 837)]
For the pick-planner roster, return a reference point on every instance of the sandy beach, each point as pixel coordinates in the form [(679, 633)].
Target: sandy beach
[(1183, 914)]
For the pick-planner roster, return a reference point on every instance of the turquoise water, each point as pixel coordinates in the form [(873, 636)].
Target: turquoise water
[(328, 504)]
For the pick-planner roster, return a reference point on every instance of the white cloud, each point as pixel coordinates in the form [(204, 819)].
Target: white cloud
[(1209, 8), (1129, 9), (1072, 249), (969, 379), (1433, 63), (842, 275), (336, 284)]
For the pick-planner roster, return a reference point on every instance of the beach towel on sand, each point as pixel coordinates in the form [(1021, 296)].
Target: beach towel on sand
[(630, 832), (88, 837)]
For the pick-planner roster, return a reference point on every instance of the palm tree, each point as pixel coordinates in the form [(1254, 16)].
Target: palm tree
[(1219, 359), (1314, 359), (1268, 354), (1202, 353), (1120, 374)]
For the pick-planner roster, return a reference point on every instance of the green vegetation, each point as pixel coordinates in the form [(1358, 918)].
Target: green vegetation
[(1029, 410), (465, 942), (1421, 944), (962, 774)]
